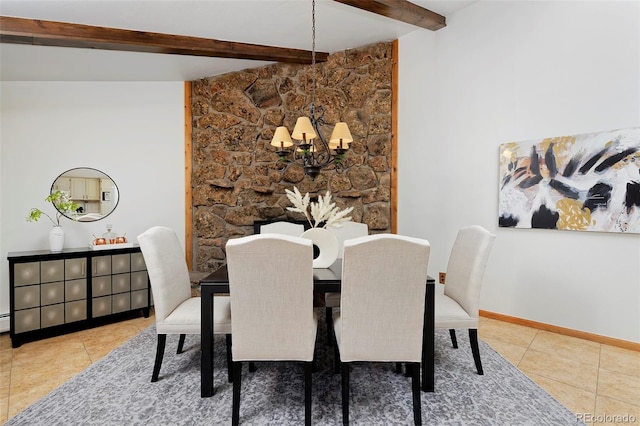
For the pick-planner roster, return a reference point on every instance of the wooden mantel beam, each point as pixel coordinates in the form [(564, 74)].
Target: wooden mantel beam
[(62, 34), (401, 10)]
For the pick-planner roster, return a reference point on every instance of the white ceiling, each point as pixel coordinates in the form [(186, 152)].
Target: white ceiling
[(285, 23)]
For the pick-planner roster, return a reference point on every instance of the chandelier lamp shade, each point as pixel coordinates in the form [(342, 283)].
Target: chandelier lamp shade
[(311, 150)]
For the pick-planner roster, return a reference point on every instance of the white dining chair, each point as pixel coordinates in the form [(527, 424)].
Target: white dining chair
[(176, 311), (283, 228), (381, 314), (271, 290), (458, 305), (346, 231)]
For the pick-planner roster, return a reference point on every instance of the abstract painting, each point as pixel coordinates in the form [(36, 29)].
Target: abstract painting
[(586, 182)]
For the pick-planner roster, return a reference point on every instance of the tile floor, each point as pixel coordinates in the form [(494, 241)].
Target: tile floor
[(587, 377)]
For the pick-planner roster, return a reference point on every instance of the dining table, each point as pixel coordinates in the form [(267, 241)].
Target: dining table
[(325, 280)]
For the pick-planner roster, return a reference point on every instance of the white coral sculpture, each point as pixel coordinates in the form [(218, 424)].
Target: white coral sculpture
[(323, 211)]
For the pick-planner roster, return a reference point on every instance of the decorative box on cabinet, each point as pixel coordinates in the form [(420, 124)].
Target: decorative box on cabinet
[(54, 293)]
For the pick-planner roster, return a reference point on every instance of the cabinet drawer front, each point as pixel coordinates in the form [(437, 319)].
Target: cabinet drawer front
[(52, 270), (121, 263), (52, 315), (75, 268), (27, 297), (120, 283), (137, 262), (139, 280), (75, 290), (26, 273), (101, 265), (101, 286), (75, 311), (101, 306), (121, 302), (139, 299), (52, 293), (27, 320)]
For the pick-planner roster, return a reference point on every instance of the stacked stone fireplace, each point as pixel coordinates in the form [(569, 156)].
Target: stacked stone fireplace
[(237, 178)]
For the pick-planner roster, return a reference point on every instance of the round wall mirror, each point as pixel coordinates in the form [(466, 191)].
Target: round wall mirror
[(93, 191)]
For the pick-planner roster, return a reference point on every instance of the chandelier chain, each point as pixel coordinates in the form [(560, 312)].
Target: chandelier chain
[(313, 57)]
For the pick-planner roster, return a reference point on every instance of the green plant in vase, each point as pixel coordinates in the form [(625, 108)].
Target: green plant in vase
[(63, 204)]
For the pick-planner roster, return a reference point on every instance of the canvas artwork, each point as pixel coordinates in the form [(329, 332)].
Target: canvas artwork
[(587, 182)]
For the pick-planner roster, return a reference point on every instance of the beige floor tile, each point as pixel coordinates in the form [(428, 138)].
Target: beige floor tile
[(506, 332), (620, 360), (622, 387), (580, 350), (99, 342), (5, 341), (614, 412), (4, 409), (575, 399), (44, 352), (5, 380), (564, 370), (512, 353)]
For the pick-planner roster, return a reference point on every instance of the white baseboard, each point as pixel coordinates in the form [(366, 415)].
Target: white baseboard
[(4, 324)]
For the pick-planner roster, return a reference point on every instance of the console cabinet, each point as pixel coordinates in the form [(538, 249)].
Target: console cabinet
[(54, 293)]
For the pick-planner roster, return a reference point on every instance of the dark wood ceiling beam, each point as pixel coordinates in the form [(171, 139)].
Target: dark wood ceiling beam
[(401, 10), (62, 34)]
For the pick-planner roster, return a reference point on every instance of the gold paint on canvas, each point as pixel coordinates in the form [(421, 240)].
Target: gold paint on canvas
[(572, 215)]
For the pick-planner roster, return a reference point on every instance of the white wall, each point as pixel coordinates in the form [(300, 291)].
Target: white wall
[(516, 71), (134, 132)]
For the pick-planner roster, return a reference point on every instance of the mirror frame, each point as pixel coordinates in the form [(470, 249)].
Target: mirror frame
[(101, 198)]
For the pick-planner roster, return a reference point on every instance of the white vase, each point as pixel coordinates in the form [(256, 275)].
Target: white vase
[(325, 246), (56, 239)]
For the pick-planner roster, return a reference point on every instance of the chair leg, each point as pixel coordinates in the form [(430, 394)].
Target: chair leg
[(307, 392), (162, 340), (454, 341), (473, 338), (181, 343), (345, 393), (252, 367), (329, 319), (229, 366), (336, 358), (415, 390), (237, 380), (398, 368)]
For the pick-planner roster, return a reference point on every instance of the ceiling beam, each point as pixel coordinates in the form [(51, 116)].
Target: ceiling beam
[(62, 34), (401, 10)]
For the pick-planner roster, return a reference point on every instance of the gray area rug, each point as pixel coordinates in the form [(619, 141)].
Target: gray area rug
[(117, 391)]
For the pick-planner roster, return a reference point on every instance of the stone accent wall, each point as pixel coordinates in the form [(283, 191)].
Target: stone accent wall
[(237, 178)]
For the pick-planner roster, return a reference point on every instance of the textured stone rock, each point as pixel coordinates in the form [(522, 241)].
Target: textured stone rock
[(208, 224), (357, 88), (273, 117), (379, 145), (362, 177), (241, 215), (236, 103), (377, 216), (378, 164), (378, 103), (236, 80), (263, 93)]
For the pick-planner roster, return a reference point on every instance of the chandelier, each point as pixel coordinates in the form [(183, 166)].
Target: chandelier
[(312, 152)]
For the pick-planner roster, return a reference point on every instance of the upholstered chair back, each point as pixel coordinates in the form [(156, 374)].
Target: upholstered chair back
[(382, 307), (347, 231), (271, 290), (283, 228), (167, 268), (466, 266)]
